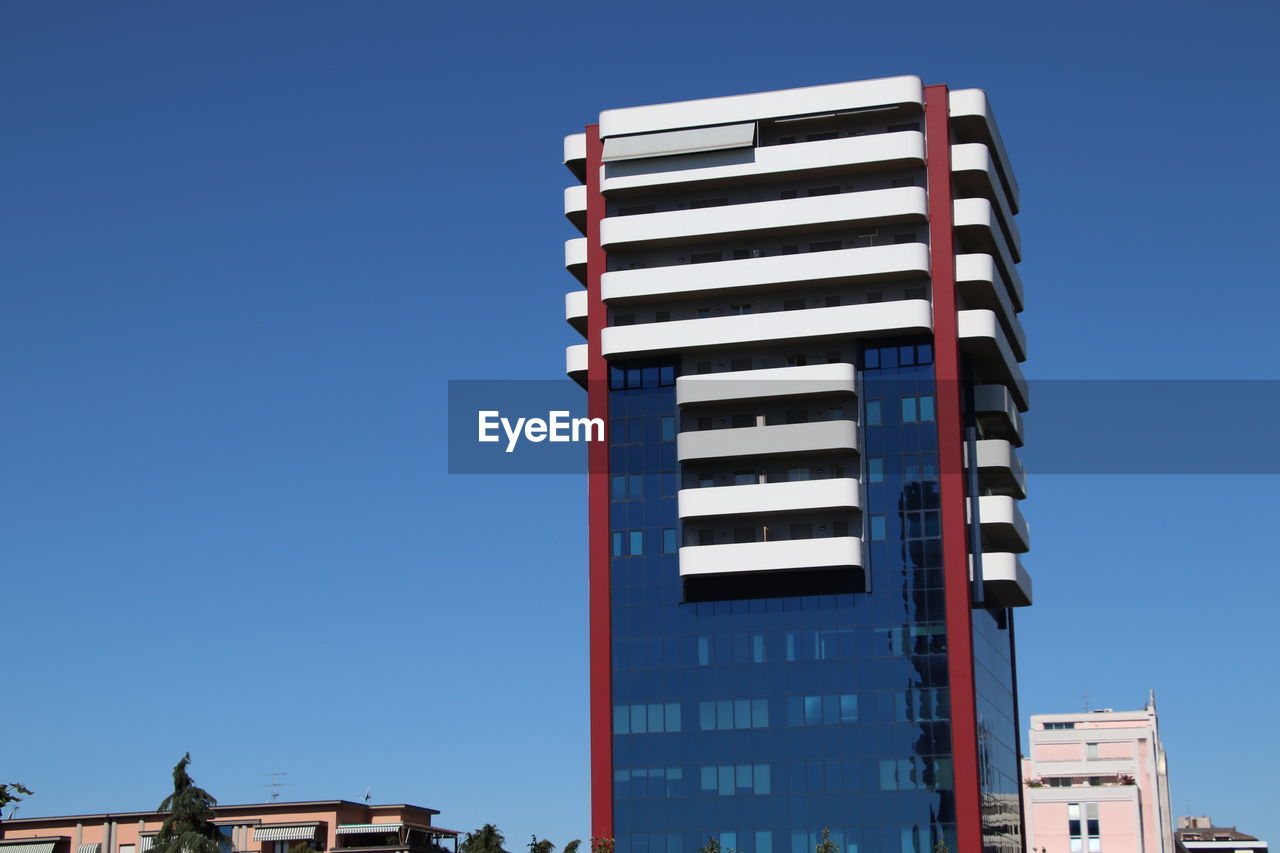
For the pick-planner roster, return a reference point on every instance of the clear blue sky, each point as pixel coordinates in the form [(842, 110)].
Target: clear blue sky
[(246, 244)]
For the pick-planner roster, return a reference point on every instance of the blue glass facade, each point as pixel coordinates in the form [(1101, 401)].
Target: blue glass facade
[(760, 721)]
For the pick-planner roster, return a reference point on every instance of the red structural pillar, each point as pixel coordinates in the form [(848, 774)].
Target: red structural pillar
[(955, 551), (601, 619)]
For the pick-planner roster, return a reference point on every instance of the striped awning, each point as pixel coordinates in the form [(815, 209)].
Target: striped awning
[(358, 828), (28, 845), (89, 848), (285, 832), (145, 843)]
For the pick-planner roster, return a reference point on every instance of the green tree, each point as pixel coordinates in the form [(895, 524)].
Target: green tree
[(712, 846), (486, 839), (572, 846), (188, 823), (543, 846), (826, 845), (602, 845), (13, 792)]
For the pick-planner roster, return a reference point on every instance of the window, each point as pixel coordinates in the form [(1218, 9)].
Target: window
[(740, 254), (661, 316), (826, 246), (744, 534), (740, 364), (704, 422), (667, 425), (627, 487), (896, 128), (636, 209), (706, 537), (794, 474), (1090, 751), (787, 194), (705, 257), (916, 293), (744, 478), (905, 237), (797, 416), (704, 313), (875, 469), (708, 202), (832, 302), (669, 542), (703, 366), (741, 308), (790, 248), (786, 140), (875, 296), (834, 357), (917, 409), (792, 304), (802, 531), (741, 420), (877, 528), (1089, 813), (873, 413), (824, 191), (1049, 727), (796, 360), (817, 137), (903, 182), (628, 543), (624, 319)]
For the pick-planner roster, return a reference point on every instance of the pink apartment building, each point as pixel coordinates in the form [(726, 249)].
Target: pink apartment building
[(336, 826), (1096, 782)]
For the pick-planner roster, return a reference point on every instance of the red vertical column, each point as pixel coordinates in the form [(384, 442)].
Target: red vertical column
[(955, 551), (601, 619)]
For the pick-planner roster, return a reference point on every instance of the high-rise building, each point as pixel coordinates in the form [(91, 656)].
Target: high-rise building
[(801, 313), (1096, 782)]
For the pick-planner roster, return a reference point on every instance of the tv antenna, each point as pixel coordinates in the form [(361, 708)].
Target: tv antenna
[(275, 785), (1086, 698)]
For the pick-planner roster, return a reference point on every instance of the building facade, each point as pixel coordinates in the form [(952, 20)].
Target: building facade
[(801, 318), (1097, 782), (1199, 835), (337, 826)]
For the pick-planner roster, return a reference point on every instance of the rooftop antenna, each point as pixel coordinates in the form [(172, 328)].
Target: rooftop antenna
[(1086, 698), (275, 785)]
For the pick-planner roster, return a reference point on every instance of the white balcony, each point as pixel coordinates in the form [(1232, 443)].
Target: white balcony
[(791, 215), (841, 265), (970, 110), (575, 363), (997, 413), (1003, 527), (1004, 580), (884, 150), (764, 384), (902, 316), (760, 498), (978, 228), (812, 437), (575, 310), (810, 100), (838, 552), (982, 286), (575, 206), (999, 468), (575, 154), (976, 173), (982, 337), (575, 258)]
